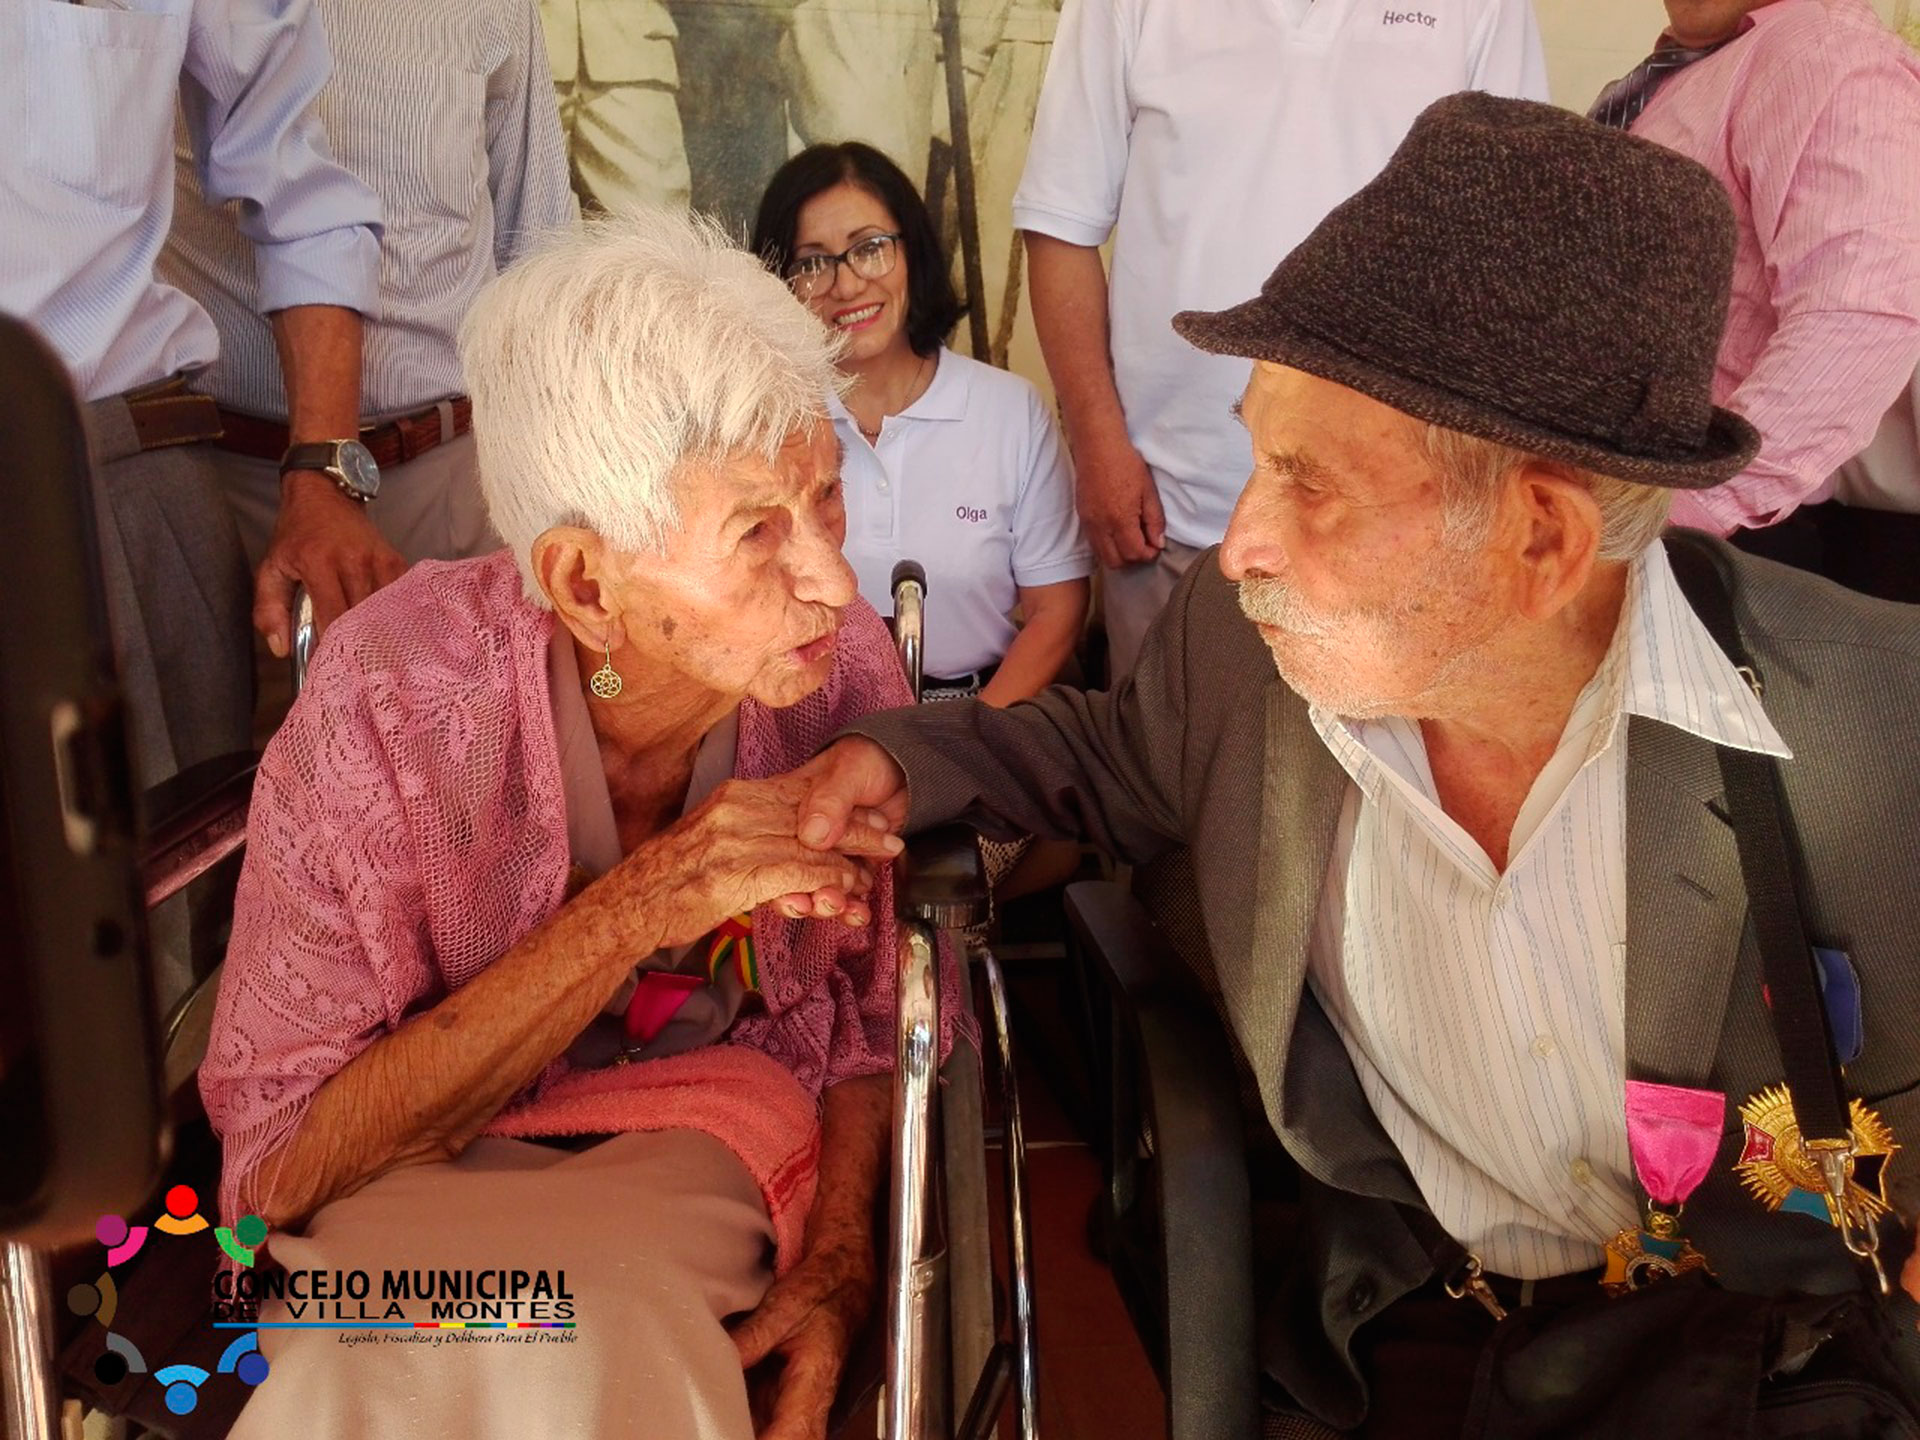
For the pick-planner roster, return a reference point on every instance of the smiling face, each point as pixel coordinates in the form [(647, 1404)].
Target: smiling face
[(872, 314), (1338, 546), (746, 600)]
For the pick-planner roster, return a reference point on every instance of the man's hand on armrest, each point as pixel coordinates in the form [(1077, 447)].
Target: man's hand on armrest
[(847, 777)]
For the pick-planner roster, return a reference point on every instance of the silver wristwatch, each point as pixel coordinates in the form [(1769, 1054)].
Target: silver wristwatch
[(348, 463)]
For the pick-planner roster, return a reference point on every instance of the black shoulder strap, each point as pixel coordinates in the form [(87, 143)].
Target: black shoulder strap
[(1762, 831), (1763, 835)]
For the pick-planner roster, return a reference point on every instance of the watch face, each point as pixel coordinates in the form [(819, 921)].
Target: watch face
[(358, 469)]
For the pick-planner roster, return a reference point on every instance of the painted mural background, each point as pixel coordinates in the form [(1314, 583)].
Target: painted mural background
[(698, 101)]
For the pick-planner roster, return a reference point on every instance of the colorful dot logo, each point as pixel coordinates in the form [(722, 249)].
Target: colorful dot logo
[(100, 1300), (247, 1236), (183, 1215), (123, 1241)]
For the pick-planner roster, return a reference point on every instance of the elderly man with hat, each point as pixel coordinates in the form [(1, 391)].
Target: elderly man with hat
[(1475, 866)]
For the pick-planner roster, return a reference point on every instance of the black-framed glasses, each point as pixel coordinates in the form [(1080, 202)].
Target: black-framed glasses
[(871, 259)]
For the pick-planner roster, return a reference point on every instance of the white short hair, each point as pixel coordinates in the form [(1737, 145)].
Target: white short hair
[(1472, 471), (615, 356)]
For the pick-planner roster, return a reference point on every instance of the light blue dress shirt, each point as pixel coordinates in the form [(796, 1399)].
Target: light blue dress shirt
[(87, 94), (446, 109)]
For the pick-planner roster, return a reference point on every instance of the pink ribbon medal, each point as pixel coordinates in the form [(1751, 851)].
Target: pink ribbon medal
[(1673, 1134)]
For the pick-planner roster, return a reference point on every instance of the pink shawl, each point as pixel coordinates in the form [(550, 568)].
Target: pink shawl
[(408, 828)]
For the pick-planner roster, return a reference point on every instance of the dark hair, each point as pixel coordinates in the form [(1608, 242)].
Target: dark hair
[(933, 309)]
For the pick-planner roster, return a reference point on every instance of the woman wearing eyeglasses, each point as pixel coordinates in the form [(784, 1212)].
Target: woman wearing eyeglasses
[(947, 461)]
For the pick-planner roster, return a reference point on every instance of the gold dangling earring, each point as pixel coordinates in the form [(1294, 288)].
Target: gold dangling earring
[(606, 681)]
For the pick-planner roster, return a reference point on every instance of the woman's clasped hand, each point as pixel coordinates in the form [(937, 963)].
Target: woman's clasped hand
[(741, 849)]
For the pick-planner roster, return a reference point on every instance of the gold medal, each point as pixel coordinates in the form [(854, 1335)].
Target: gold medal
[(1637, 1258), (1775, 1166)]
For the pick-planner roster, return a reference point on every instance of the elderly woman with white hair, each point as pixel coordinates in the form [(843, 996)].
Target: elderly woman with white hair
[(536, 1012)]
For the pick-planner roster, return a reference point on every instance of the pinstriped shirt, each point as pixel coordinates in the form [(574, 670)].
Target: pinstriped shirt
[(1486, 1012), (85, 95), (445, 109), (1810, 117)]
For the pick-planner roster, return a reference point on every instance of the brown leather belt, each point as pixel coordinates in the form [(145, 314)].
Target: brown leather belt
[(391, 444), (167, 413)]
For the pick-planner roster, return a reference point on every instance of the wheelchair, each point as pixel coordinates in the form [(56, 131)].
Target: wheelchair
[(1195, 1178), (943, 887), (936, 1354)]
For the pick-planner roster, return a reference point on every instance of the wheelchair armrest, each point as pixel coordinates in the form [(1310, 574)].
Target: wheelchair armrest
[(193, 822), (1182, 1078), (940, 879)]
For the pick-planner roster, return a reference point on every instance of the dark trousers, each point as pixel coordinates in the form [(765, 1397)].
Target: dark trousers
[(1420, 1354)]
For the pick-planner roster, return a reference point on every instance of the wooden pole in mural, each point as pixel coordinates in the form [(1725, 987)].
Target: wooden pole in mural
[(963, 192)]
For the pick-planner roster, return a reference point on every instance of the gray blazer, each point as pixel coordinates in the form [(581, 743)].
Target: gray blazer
[(1205, 746)]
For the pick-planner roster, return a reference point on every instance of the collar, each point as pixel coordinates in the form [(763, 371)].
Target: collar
[(1675, 673), (945, 397), (1661, 664)]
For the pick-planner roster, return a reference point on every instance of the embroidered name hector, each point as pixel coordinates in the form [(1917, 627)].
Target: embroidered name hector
[(1408, 17)]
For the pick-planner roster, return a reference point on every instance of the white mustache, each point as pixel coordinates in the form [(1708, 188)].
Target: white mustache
[(1267, 601)]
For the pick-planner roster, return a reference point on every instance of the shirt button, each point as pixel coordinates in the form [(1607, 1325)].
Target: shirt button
[(1543, 1046), (882, 482), (1582, 1171), (1360, 1297)]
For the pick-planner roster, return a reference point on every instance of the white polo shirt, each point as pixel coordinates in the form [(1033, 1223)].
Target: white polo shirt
[(971, 481), (1208, 137)]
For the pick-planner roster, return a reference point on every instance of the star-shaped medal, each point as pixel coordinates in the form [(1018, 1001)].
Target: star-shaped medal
[(1776, 1168)]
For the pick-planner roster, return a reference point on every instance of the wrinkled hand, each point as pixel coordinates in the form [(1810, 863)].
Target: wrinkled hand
[(325, 541), (740, 849), (808, 1320), (851, 782), (1118, 502)]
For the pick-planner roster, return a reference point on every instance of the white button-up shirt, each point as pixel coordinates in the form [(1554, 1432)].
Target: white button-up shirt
[(1486, 1012)]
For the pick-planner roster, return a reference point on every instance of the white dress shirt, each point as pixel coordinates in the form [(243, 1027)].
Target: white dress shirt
[(1486, 1012), (445, 108), (87, 95), (1209, 137)]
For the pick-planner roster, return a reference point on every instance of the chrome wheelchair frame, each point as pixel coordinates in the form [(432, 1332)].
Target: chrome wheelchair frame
[(946, 891)]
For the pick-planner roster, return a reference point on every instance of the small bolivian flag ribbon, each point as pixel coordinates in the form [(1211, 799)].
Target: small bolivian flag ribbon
[(1673, 1133), (1776, 1169), (731, 950)]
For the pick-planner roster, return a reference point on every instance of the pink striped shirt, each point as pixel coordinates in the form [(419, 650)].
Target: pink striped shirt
[(1811, 119)]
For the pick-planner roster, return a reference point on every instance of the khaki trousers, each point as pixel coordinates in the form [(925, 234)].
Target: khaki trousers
[(662, 1237), (1132, 598), (429, 508)]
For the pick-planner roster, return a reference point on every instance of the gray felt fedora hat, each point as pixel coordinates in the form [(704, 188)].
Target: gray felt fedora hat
[(1522, 274)]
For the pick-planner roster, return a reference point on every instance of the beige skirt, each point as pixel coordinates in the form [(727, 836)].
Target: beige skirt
[(660, 1237)]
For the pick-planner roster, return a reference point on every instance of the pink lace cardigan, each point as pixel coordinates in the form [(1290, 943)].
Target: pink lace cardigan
[(408, 828)]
